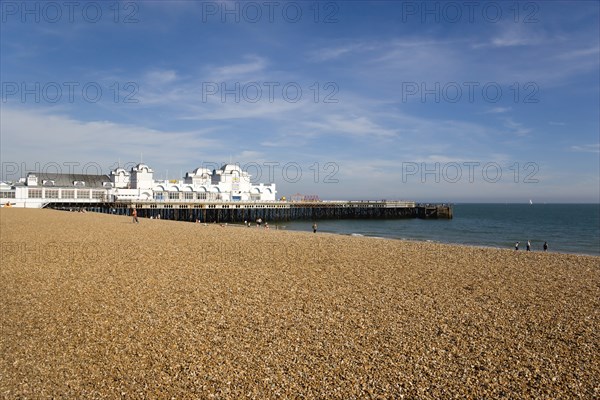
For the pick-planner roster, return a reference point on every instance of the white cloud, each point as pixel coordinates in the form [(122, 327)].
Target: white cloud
[(216, 109), (237, 72), (353, 126), (573, 55), (332, 53), (587, 148), (40, 136), (511, 35), (516, 128), (160, 77), (498, 110)]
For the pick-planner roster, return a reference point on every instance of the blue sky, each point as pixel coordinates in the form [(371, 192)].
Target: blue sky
[(426, 101)]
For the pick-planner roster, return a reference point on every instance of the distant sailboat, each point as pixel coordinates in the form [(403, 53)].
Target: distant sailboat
[(530, 202)]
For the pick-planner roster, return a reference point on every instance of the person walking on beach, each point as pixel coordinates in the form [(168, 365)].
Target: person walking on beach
[(528, 245), (517, 246), (314, 227), (134, 215), (545, 246)]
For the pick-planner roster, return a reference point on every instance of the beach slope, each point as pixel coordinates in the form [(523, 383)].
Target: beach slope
[(95, 306)]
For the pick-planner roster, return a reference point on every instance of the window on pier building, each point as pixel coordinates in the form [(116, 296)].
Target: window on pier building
[(254, 197), (158, 195), (173, 195), (98, 194), (51, 194), (7, 195), (188, 195), (202, 196), (83, 194), (68, 194), (35, 193)]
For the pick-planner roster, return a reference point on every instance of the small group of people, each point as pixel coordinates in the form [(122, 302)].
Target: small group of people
[(528, 248), (134, 216), (259, 223)]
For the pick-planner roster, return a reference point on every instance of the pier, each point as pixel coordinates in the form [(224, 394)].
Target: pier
[(226, 194), (271, 211)]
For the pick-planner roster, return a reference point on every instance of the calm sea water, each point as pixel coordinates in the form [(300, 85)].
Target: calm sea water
[(568, 228)]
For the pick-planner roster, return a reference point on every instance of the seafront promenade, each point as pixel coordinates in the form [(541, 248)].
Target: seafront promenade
[(95, 306)]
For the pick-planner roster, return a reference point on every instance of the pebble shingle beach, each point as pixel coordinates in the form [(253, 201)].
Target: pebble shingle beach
[(95, 306)]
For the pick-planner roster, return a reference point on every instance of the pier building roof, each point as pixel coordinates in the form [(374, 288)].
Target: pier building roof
[(66, 180)]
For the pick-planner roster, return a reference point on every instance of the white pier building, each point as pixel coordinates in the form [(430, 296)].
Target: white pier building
[(228, 183)]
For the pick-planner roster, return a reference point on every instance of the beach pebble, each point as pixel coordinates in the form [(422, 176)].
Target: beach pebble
[(94, 306)]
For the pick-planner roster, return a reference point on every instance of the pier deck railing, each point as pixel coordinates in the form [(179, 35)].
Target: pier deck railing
[(186, 203)]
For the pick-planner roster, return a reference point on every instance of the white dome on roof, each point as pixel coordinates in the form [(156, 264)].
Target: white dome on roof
[(229, 168), (140, 167), (119, 170), (201, 171)]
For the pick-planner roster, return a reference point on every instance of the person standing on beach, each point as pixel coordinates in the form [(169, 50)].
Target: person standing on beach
[(314, 227), (517, 246), (135, 218), (528, 245), (545, 246)]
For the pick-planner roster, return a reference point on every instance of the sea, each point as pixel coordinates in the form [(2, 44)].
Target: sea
[(568, 228)]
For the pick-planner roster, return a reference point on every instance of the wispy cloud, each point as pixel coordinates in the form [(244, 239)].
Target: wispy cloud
[(586, 148), (216, 109), (238, 71), (160, 77), (516, 128), (96, 141), (498, 110), (572, 55), (509, 34), (332, 53), (351, 126)]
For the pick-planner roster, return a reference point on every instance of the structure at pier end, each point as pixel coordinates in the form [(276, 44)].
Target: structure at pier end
[(228, 183)]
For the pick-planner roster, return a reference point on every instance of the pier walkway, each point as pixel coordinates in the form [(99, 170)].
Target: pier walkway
[(272, 211)]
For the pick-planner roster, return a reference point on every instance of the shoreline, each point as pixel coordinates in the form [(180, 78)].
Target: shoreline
[(352, 235), (468, 245)]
